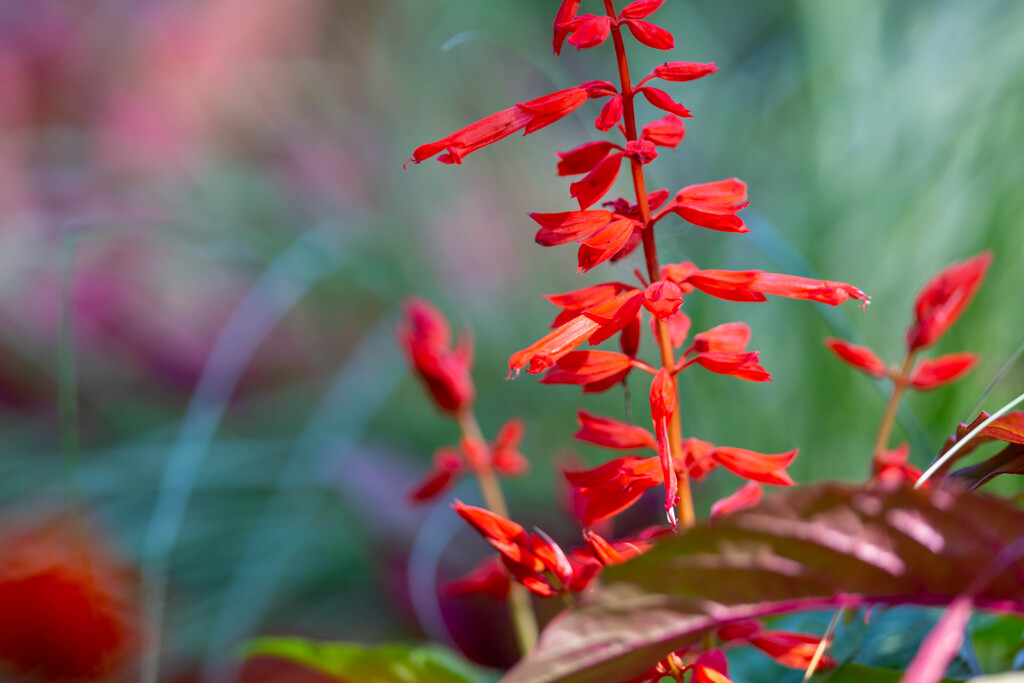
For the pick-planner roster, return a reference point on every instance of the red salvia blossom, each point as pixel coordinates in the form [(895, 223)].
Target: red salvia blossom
[(426, 338), (604, 431), (942, 300), (487, 578), (893, 466), (936, 372), (860, 357), (531, 116), (746, 496), (566, 13)]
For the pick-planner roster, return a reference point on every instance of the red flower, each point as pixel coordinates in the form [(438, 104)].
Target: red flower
[(860, 357), (766, 468), (566, 13), (488, 578), (663, 298), (742, 365), (448, 466), (753, 285), (532, 116), (894, 466), (608, 489), (712, 205), (649, 34), (941, 301), (663, 408), (589, 30), (727, 338), (680, 71), (568, 226), (609, 433), (66, 607), (667, 131), (794, 650), (935, 372), (596, 324), (597, 182), (661, 100), (425, 337), (579, 300), (505, 456), (746, 496), (596, 371), (528, 557)]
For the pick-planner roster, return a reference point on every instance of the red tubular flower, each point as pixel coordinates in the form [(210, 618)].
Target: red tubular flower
[(822, 291), (579, 300), (794, 650), (650, 35), (667, 131), (893, 466), (611, 114), (610, 553), (711, 667), (713, 205), (531, 116), (746, 496), (640, 9), (663, 408), (595, 370), (604, 244), (762, 467), (859, 357), (596, 184), (609, 433), (663, 298), (448, 466), (425, 337), (597, 323), (725, 338), (505, 456), (608, 489), (742, 365), (589, 30), (67, 607), (566, 13), (935, 372), (584, 158), (527, 557), (679, 72), (568, 226), (488, 578), (661, 100), (697, 458), (941, 301)]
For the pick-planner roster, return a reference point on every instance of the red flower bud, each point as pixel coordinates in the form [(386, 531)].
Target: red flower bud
[(936, 372), (860, 357), (941, 301), (663, 298), (667, 131), (424, 335)]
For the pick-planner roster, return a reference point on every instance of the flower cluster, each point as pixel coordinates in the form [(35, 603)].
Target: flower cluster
[(938, 305), (608, 230)]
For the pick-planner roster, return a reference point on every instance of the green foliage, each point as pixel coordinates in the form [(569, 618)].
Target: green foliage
[(353, 663), (858, 673)]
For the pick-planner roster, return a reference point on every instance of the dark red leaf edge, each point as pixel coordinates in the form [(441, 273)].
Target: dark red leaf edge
[(816, 547)]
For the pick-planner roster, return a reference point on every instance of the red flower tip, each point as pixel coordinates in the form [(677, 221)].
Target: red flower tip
[(611, 114), (663, 298), (860, 357), (746, 496), (667, 131), (597, 248), (661, 100), (762, 467), (589, 30), (936, 372), (711, 667), (609, 433), (943, 299), (488, 578), (893, 466), (425, 337), (822, 291), (594, 370), (794, 650), (531, 116), (713, 205), (566, 13), (640, 9), (596, 184), (448, 465), (650, 35), (584, 158), (663, 395), (679, 72), (725, 338), (614, 552)]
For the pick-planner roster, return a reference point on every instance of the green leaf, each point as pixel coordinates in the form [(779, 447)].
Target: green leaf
[(858, 673), (816, 547), (997, 640), (354, 663)]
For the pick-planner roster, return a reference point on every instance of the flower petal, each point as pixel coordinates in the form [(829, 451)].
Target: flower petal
[(860, 357), (933, 373)]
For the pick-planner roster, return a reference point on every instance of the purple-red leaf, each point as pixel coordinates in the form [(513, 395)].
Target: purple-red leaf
[(816, 547)]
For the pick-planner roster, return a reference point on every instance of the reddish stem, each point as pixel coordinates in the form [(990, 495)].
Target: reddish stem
[(686, 514)]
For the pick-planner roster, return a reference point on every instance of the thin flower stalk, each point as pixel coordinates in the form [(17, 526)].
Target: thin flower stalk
[(687, 517)]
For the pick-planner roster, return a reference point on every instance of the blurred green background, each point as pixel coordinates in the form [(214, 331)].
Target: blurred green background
[(207, 234)]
